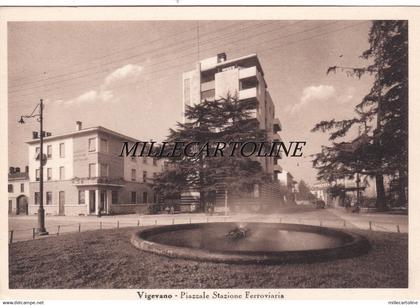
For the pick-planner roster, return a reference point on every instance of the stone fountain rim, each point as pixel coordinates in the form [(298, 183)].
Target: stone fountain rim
[(354, 246)]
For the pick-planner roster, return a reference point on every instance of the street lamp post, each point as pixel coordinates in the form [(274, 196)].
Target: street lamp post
[(41, 211)]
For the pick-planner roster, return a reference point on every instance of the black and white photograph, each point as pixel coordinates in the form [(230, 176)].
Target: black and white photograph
[(208, 153)]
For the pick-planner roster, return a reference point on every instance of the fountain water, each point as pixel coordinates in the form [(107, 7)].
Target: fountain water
[(250, 242)]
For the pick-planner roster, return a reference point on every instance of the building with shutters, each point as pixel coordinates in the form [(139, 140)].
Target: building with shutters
[(85, 175)]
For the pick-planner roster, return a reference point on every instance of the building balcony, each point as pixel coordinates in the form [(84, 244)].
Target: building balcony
[(106, 181), (247, 72), (247, 93), (253, 113), (210, 85), (276, 125)]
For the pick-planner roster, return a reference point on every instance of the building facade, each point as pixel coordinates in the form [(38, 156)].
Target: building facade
[(286, 179), (367, 191), (18, 191), (217, 77), (84, 174)]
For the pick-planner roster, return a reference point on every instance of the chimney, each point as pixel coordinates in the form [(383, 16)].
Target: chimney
[(221, 57), (78, 125)]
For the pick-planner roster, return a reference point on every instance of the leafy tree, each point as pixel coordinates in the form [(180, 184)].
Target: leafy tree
[(211, 121), (304, 193), (386, 103)]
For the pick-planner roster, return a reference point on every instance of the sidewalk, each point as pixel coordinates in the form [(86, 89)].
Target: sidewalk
[(374, 221), (23, 227)]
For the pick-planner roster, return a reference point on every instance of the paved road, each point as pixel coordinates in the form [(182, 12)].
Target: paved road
[(22, 226)]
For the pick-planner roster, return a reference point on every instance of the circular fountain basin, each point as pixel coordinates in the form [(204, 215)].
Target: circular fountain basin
[(265, 243)]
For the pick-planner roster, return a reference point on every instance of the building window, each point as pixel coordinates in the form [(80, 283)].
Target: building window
[(92, 170), (10, 188), (62, 154), (49, 198), (81, 197), (37, 151), (145, 195), (36, 197), (49, 151), (104, 146), (144, 176), (37, 174), (49, 174), (103, 170), (62, 173), (187, 98), (22, 187), (92, 144), (114, 197), (133, 197), (133, 174)]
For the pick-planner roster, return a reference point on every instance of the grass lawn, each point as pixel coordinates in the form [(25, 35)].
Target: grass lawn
[(106, 259)]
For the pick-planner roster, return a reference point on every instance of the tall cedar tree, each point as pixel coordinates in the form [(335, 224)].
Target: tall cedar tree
[(211, 121), (387, 151)]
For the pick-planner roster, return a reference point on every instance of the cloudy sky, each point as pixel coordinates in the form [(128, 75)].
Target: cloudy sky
[(127, 76)]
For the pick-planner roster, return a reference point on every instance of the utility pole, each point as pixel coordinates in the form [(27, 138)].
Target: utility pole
[(226, 200), (41, 211)]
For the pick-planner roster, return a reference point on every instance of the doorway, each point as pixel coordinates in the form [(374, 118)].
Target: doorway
[(22, 205), (61, 202), (103, 203), (92, 202)]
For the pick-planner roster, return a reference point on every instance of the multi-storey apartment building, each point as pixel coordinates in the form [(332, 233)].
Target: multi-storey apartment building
[(84, 174), (243, 77), (216, 77), (18, 190)]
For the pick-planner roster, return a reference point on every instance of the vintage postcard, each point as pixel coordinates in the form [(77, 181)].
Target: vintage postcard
[(223, 153)]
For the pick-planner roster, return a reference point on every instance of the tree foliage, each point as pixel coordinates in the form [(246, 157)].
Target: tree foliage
[(211, 121), (386, 153), (304, 193)]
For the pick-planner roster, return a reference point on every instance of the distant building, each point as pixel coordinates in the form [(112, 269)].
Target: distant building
[(286, 179), (320, 191), (84, 174), (367, 190), (18, 190)]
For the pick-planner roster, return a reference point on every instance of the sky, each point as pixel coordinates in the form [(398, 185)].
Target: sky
[(127, 75)]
